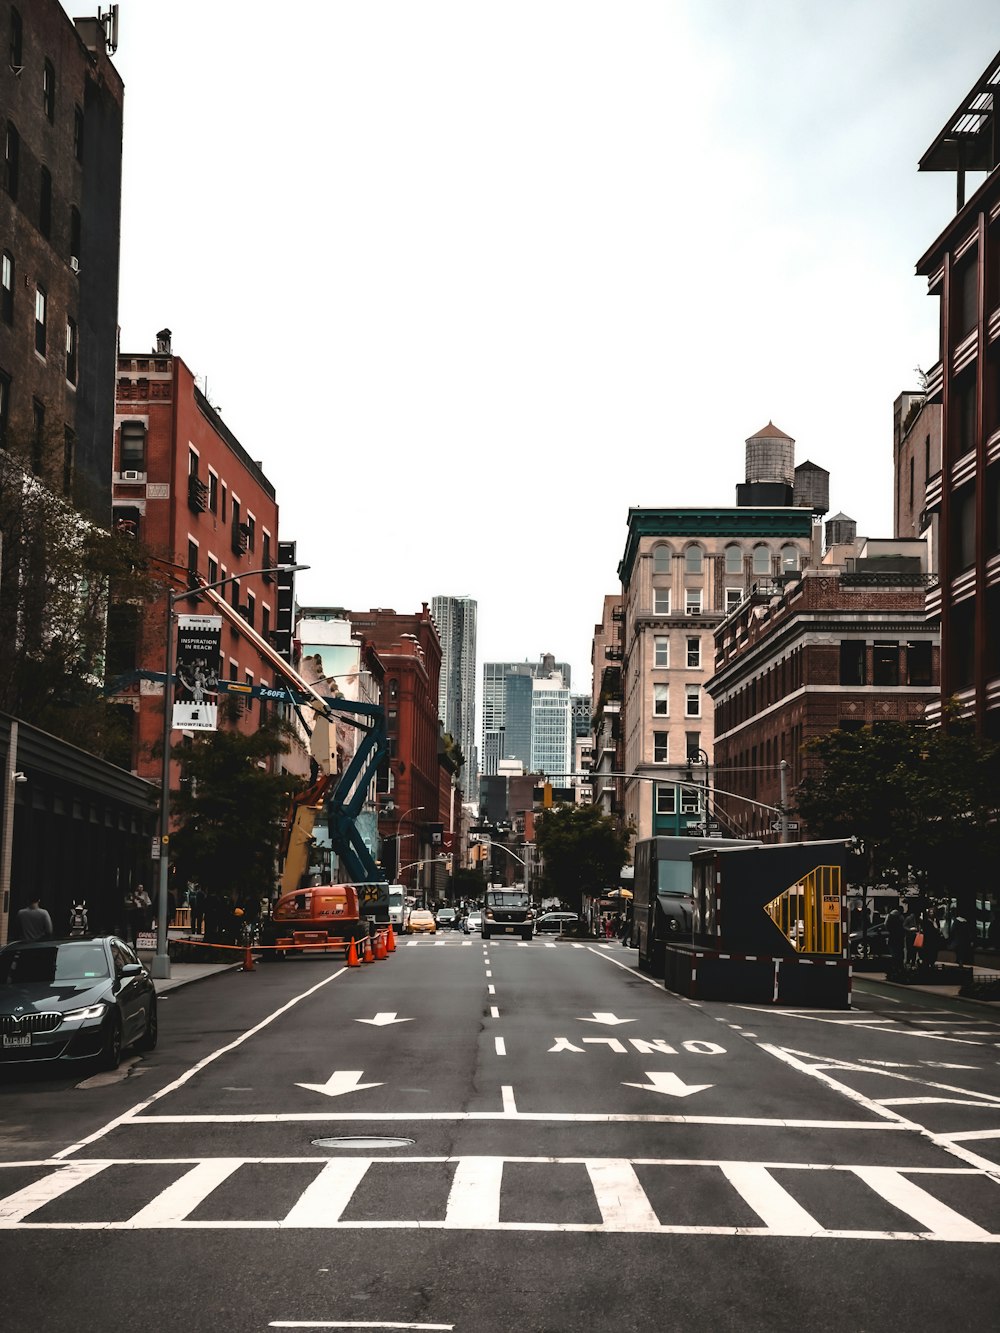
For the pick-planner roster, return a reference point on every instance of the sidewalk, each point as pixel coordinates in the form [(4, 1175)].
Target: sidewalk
[(182, 974), (988, 969)]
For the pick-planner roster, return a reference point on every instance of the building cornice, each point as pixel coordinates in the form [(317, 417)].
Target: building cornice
[(692, 523)]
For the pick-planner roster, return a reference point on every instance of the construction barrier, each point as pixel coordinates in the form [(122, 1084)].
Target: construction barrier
[(355, 950)]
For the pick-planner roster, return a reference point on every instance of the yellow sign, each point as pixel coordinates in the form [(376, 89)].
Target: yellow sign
[(831, 909)]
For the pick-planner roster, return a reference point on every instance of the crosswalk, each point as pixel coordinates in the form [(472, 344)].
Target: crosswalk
[(487, 1193)]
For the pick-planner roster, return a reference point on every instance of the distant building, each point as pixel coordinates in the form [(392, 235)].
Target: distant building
[(605, 707), (495, 743), (552, 729), (455, 618)]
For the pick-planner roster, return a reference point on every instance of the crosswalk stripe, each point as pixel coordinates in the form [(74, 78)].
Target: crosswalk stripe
[(17, 1206), (940, 1220), (474, 1199), (770, 1201), (322, 1202), (620, 1197), (174, 1203)]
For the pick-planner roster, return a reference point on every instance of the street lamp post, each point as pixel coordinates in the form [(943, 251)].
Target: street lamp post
[(400, 836), (160, 967)]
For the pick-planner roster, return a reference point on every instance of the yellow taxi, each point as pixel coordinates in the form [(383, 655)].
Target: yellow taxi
[(421, 922)]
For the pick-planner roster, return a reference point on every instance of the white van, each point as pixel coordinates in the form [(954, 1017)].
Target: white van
[(397, 907)]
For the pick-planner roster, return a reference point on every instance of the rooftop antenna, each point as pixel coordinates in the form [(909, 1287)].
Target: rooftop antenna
[(109, 18)]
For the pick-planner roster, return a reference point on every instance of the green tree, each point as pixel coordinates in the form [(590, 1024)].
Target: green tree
[(923, 804), (583, 851), (231, 810)]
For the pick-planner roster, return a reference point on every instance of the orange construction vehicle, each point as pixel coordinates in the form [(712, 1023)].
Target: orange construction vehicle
[(325, 916)]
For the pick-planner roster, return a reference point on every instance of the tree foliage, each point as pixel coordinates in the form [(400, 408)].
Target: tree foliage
[(583, 851), (59, 574), (924, 804), (231, 810)]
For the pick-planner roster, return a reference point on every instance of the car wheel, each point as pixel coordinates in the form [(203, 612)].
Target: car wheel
[(111, 1051), (485, 933), (147, 1042)]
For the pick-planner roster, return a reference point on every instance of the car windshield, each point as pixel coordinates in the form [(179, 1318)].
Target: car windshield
[(53, 963), (508, 900)]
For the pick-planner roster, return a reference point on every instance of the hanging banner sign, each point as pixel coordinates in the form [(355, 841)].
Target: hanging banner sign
[(196, 689)]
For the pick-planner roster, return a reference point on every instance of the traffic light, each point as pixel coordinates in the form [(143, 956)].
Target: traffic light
[(547, 796)]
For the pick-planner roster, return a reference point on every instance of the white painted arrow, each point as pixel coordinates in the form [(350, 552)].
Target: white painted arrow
[(670, 1084), (340, 1081), (383, 1020), (611, 1020)]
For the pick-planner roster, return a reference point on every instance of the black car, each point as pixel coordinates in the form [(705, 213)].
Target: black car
[(448, 919), (872, 944), (557, 923), (75, 999)]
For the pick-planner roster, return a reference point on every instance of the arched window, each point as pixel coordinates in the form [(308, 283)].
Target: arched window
[(789, 559), (734, 560), (692, 560), (661, 559), (761, 560)]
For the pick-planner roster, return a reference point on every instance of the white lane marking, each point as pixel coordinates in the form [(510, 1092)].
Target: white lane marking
[(488, 972), (507, 1095), (620, 1197), (549, 944), (940, 1140), (35, 1196), (474, 1199), (773, 1205), (937, 1101), (544, 1117), (383, 1020), (494, 1011), (491, 990), (136, 1111), (500, 1045), (352, 1323), (322, 1202), (973, 1134), (174, 1203), (339, 1082), (670, 1084), (612, 1043), (609, 1020), (942, 1222)]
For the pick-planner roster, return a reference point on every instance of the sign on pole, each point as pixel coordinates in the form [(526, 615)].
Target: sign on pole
[(196, 689)]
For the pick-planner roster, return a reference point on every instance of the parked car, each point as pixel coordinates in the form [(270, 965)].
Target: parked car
[(556, 923), (75, 999), (448, 919), (421, 922), (876, 945), (473, 923)]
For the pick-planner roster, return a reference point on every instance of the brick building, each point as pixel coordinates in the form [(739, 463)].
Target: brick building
[(834, 647), (195, 498), (61, 103), (962, 268)]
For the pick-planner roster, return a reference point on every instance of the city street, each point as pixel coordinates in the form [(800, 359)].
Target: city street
[(507, 1136)]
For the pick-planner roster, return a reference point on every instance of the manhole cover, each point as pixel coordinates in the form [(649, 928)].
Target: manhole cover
[(361, 1141)]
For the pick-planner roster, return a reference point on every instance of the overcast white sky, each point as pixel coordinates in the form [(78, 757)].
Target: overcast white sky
[(471, 279)]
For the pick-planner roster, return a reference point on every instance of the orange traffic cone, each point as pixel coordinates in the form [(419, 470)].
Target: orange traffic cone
[(369, 957), (248, 963), (390, 940), (352, 954), (381, 952)]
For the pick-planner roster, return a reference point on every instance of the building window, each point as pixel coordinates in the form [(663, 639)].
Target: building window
[(11, 159), (213, 492), (734, 560), (661, 651), (4, 404), (692, 601), (74, 234), (78, 134), (910, 485), (661, 746), (693, 560), (885, 663), (45, 203), (37, 436), (251, 610), (690, 800), (852, 662), (694, 652), (918, 662), (192, 557), (692, 701), (248, 678), (132, 446), (661, 700), (666, 799), (225, 501), (16, 40), (789, 559), (71, 349), (251, 526), (213, 570), (733, 598), (761, 560), (692, 746), (49, 90), (41, 308), (234, 588), (661, 601), (962, 528), (965, 298), (265, 558), (661, 559), (265, 622), (7, 287), (192, 463)]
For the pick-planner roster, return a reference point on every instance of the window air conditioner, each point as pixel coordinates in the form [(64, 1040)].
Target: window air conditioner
[(130, 474), (74, 263)]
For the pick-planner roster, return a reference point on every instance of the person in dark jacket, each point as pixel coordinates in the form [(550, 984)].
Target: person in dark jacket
[(896, 934)]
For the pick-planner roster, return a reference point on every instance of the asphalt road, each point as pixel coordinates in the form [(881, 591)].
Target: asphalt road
[(498, 1137)]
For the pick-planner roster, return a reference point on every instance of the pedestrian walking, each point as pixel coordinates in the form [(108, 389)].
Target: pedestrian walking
[(33, 922), (78, 921), (931, 941), (963, 940), (910, 927)]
